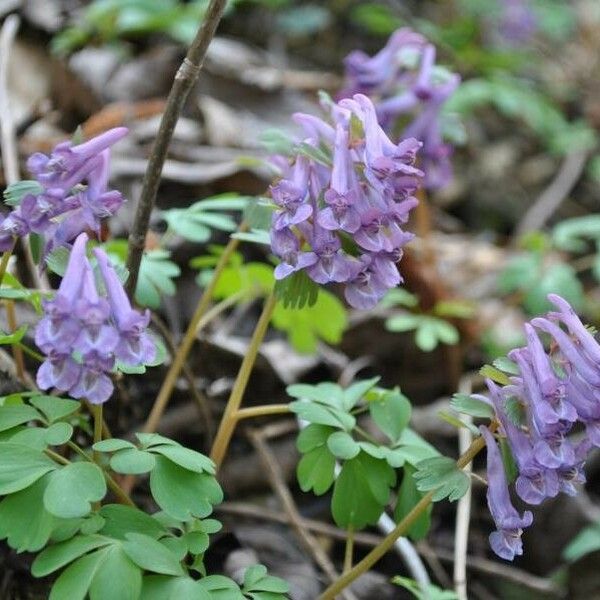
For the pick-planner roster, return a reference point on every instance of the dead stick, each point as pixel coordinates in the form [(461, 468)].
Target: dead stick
[(184, 81)]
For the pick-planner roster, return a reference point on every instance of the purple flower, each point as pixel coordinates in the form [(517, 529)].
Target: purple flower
[(59, 371), (341, 207), (367, 286), (404, 82), (506, 541), (135, 346), (68, 165), (83, 333), (93, 383)]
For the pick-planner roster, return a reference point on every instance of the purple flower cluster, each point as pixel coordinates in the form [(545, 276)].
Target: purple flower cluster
[(554, 392), (84, 333), (517, 22), (65, 208), (342, 202), (408, 91)]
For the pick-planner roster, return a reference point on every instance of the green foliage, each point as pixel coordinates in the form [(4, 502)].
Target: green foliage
[(585, 542), (196, 222), (308, 316), (429, 331), (377, 18), (516, 100), (431, 593), (15, 192), (471, 405), (367, 469), (442, 475), (303, 20), (408, 497), (110, 20)]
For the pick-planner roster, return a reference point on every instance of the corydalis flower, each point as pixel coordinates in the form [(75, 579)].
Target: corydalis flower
[(341, 208), (409, 93), (83, 333), (74, 196), (506, 541), (552, 393)]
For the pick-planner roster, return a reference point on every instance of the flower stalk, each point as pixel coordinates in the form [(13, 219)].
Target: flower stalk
[(230, 417)]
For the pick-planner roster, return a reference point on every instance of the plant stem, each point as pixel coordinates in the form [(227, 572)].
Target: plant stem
[(379, 551), (168, 384), (229, 419), (17, 351), (349, 550), (98, 422), (184, 81), (112, 484), (262, 411), (5, 258)]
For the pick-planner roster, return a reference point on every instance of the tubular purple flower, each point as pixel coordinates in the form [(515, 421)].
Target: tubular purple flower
[(506, 541), (572, 352), (93, 384), (59, 371), (366, 287), (135, 346), (68, 165), (59, 328), (93, 313), (332, 264)]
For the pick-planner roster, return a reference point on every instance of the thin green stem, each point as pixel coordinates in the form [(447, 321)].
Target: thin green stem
[(31, 352), (387, 543), (262, 411), (229, 419), (57, 457), (349, 550), (168, 384), (5, 258), (366, 435), (97, 414)]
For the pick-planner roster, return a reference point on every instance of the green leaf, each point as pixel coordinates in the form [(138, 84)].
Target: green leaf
[(431, 331), (256, 579), (342, 445), (58, 434), (112, 445), (158, 587), (73, 488), (24, 522), (75, 581), (314, 412), (21, 466), (220, 588), (316, 470), (58, 555), (558, 279), (494, 374), (521, 273), (442, 475), (121, 520), (408, 497), (505, 364), (151, 555), (118, 578), (15, 337), (326, 392), (313, 436), (585, 542), (57, 260), (432, 592), (403, 322), (181, 493), (361, 491), (132, 461), (53, 408), (296, 291), (391, 412), (354, 393), (15, 192), (10, 416), (186, 458), (471, 405), (376, 18)]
